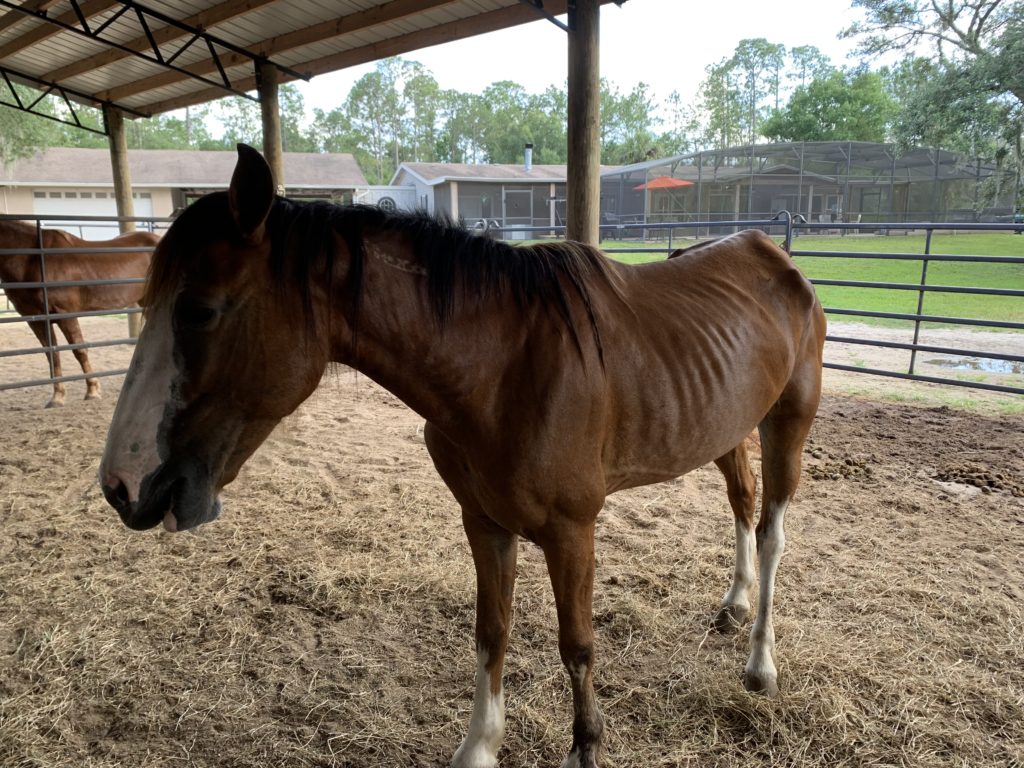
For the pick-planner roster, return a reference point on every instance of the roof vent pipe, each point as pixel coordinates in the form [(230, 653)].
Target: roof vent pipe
[(528, 157)]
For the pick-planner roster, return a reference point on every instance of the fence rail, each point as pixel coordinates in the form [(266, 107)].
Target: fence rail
[(672, 234), (792, 227)]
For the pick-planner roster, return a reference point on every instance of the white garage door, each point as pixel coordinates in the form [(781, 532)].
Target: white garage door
[(52, 202)]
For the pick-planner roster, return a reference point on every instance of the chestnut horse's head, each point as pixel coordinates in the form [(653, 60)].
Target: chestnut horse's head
[(224, 356)]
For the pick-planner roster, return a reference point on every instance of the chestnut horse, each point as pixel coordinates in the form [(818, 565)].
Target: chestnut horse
[(93, 265), (548, 376)]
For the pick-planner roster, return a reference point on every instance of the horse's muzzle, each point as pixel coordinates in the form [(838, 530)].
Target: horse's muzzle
[(179, 494)]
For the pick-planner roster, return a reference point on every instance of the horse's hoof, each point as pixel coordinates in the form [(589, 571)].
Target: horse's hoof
[(93, 395), (576, 760), (761, 684), (729, 619), (55, 404)]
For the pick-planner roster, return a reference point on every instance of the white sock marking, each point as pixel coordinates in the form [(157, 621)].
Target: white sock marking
[(761, 664), (743, 575), (486, 725)]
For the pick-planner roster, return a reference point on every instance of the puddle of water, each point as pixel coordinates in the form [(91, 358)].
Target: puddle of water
[(977, 364)]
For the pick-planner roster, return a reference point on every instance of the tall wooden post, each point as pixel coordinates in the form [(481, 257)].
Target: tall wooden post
[(583, 182), (273, 150), (118, 143)]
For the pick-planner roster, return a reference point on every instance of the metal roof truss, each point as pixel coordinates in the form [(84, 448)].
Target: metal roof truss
[(144, 18)]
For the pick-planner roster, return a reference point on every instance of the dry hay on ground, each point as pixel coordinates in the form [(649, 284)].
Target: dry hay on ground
[(327, 619)]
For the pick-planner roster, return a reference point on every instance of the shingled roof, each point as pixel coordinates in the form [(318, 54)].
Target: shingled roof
[(175, 168), (437, 173)]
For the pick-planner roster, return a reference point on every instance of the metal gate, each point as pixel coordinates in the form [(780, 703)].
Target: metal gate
[(52, 347)]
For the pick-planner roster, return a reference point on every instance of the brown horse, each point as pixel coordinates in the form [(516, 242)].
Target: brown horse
[(548, 377), (92, 265)]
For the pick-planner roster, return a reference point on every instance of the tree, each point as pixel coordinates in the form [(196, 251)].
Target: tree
[(547, 120), (627, 125), (759, 66), (421, 96), (968, 95), (683, 128), (721, 105), (506, 105), (852, 106), (982, 35), (373, 110), (741, 91), (460, 139), (807, 63)]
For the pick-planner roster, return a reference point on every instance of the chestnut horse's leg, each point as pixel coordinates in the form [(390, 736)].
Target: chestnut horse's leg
[(740, 484), (570, 558), (73, 333), (39, 329), (494, 555), (783, 432)]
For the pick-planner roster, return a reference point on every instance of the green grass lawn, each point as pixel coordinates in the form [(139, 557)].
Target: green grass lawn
[(1009, 308)]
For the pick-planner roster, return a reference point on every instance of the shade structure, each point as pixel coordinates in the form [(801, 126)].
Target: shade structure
[(663, 182)]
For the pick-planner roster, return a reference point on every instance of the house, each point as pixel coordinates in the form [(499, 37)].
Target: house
[(509, 197), (66, 181)]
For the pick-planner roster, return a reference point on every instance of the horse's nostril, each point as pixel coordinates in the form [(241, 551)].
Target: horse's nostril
[(116, 493)]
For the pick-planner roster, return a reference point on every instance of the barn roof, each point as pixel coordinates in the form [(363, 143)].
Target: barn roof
[(174, 168), (152, 57)]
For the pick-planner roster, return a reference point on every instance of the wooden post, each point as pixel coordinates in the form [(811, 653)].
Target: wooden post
[(118, 143), (583, 182), (273, 150)]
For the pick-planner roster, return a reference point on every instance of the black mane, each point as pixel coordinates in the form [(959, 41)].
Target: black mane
[(453, 259)]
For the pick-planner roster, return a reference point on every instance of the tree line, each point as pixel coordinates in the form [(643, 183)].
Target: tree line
[(958, 85)]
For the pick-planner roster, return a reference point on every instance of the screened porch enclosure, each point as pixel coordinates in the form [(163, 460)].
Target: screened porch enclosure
[(823, 181)]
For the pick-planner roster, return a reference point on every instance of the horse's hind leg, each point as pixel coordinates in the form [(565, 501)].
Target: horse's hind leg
[(783, 432), (740, 485), (73, 333), (39, 329)]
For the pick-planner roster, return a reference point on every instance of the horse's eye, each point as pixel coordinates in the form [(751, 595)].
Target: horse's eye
[(196, 316)]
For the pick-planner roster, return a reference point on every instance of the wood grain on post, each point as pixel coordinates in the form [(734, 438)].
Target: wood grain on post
[(583, 182), (118, 144)]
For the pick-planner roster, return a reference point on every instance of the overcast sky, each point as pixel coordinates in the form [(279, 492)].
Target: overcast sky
[(664, 43)]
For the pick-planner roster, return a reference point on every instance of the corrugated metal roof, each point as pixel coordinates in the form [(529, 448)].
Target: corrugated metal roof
[(45, 41), (174, 168)]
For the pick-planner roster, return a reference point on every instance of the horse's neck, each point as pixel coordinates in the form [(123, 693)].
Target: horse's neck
[(401, 345)]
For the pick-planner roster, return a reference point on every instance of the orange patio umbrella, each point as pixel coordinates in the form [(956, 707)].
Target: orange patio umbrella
[(663, 182)]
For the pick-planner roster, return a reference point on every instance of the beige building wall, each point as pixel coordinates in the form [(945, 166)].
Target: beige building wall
[(15, 200), (20, 200)]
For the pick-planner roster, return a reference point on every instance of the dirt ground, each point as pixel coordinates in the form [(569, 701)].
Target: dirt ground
[(326, 619)]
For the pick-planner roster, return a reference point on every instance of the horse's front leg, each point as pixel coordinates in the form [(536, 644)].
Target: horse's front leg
[(569, 552), (494, 555)]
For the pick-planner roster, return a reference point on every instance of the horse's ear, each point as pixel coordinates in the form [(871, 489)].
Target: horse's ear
[(251, 193)]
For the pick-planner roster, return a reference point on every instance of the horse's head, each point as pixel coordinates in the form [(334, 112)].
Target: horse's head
[(224, 356)]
